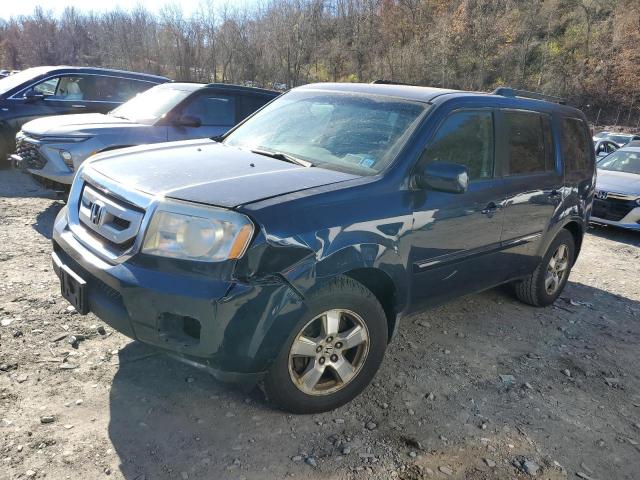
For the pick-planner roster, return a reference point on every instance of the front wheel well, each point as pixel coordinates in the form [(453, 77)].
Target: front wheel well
[(576, 231), (381, 285)]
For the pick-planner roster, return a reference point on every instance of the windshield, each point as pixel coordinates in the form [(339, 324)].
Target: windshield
[(17, 79), (150, 106), (628, 162), (620, 138), (350, 132)]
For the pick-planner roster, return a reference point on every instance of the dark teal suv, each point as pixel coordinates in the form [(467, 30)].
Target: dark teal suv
[(290, 250)]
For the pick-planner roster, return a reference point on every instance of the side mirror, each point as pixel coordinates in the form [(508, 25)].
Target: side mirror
[(443, 176), (33, 96), (188, 121)]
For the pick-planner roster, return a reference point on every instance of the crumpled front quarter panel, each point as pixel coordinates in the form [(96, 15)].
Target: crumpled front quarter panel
[(308, 241)]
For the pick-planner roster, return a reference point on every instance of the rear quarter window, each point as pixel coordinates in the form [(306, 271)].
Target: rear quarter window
[(576, 145)]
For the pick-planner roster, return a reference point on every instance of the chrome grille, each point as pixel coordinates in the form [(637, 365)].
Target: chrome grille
[(109, 218), (30, 154)]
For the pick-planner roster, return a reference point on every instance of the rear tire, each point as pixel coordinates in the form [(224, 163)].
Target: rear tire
[(546, 283), (333, 352)]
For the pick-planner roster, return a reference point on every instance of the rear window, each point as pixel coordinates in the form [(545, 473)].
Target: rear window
[(529, 143), (576, 145)]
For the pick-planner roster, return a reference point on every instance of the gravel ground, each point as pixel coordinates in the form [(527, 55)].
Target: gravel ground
[(482, 388)]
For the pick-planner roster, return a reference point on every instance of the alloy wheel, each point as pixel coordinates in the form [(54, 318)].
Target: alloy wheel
[(329, 351), (556, 269)]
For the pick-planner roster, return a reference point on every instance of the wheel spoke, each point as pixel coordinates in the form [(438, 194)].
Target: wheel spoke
[(311, 375), (562, 266), (549, 281), (352, 338), (331, 322), (561, 252), (552, 263), (304, 347), (344, 369)]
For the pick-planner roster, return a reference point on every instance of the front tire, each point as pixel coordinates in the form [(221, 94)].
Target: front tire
[(546, 283), (333, 352)]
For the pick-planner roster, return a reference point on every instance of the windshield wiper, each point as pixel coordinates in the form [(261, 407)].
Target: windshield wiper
[(283, 156)]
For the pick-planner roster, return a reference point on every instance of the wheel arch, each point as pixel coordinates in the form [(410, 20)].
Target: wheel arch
[(383, 288), (577, 232)]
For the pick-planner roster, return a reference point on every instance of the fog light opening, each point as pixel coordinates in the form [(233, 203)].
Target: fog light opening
[(178, 329)]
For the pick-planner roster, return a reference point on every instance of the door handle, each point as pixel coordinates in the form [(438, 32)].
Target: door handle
[(490, 209), (78, 106)]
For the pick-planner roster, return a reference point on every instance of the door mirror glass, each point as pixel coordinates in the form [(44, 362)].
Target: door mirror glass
[(444, 177), (188, 121)]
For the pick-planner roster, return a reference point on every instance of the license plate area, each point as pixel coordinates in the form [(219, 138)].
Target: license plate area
[(74, 289)]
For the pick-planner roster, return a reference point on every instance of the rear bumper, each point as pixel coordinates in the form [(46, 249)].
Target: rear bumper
[(233, 330)]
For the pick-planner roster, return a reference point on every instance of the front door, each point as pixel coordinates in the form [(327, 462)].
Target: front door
[(456, 236)]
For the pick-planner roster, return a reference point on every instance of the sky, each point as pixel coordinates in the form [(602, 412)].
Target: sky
[(12, 8)]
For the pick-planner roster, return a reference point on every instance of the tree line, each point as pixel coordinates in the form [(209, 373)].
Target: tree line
[(585, 50)]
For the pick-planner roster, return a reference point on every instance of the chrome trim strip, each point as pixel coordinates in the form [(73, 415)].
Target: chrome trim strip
[(461, 255), (98, 213), (102, 184), (617, 196)]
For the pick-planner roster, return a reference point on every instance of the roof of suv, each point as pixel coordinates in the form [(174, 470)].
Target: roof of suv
[(429, 94), (408, 92)]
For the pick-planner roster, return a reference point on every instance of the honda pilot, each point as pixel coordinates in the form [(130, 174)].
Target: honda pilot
[(290, 251)]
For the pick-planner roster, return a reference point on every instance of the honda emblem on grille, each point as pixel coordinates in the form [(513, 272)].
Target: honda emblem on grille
[(601, 195), (97, 209)]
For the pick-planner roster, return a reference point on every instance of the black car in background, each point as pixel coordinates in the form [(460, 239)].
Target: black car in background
[(43, 91)]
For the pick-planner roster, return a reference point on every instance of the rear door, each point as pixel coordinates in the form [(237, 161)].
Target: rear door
[(217, 112), (533, 183), (455, 237)]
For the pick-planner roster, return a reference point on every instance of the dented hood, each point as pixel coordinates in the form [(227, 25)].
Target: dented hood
[(208, 172)]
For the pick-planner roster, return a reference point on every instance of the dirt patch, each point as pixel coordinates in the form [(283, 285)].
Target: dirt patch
[(483, 388)]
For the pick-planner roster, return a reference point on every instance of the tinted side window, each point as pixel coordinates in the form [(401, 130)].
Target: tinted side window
[(465, 138), (213, 109), (576, 145), (112, 89), (525, 143), (250, 103)]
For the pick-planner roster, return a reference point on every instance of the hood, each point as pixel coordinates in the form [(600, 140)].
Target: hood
[(618, 182), (207, 172), (82, 124)]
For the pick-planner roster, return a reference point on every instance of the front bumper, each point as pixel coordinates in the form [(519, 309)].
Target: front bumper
[(615, 212), (233, 329), (41, 158)]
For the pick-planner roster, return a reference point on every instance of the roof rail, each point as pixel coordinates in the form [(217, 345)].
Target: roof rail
[(513, 93), (391, 82)]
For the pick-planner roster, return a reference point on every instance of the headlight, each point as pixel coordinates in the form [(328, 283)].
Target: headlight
[(638, 201), (197, 233)]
